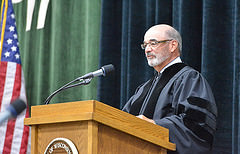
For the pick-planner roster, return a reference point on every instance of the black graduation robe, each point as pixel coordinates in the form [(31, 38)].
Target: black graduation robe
[(185, 105)]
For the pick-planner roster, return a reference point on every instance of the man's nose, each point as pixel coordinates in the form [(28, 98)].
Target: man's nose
[(148, 48)]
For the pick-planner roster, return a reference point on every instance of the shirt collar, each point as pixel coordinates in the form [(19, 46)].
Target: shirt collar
[(176, 60)]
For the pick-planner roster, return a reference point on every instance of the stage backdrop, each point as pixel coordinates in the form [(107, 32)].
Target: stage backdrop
[(66, 48), (81, 35), (210, 32)]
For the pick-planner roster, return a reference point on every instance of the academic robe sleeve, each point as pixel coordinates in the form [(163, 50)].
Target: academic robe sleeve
[(191, 120)]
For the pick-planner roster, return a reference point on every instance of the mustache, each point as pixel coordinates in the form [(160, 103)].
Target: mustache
[(150, 54)]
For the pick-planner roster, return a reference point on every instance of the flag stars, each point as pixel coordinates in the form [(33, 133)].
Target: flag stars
[(12, 16), (14, 48), (7, 54), (9, 41), (17, 56), (11, 28), (15, 36)]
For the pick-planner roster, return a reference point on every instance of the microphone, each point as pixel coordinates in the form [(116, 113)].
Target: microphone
[(13, 110), (83, 80), (103, 71)]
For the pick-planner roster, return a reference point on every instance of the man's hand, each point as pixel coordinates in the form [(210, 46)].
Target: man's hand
[(145, 118)]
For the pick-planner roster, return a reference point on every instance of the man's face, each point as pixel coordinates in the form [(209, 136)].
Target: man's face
[(156, 53)]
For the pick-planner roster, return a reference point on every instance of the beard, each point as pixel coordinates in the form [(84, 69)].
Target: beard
[(157, 58)]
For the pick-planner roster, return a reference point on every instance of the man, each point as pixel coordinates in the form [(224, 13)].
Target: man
[(177, 97)]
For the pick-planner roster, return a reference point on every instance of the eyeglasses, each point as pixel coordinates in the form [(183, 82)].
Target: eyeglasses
[(153, 43)]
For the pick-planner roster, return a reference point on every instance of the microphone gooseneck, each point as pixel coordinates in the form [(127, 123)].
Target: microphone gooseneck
[(83, 80)]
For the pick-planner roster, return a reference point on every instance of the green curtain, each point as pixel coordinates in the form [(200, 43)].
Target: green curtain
[(66, 48)]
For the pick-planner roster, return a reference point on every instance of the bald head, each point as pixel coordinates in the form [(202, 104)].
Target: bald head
[(166, 32), (160, 28)]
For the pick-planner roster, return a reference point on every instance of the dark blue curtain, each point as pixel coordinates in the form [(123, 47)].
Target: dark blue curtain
[(211, 33)]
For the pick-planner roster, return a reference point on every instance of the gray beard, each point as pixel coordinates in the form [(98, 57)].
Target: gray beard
[(157, 61)]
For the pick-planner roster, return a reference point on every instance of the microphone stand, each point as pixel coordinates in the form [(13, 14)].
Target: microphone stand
[(84, 81)]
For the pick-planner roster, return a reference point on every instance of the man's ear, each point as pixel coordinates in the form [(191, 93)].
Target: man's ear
[(174, 45)]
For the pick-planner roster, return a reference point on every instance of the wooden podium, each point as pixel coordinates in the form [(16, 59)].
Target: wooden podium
[(95, 128)]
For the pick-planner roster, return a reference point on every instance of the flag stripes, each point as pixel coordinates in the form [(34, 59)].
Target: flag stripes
[(3, 70), (14, 136), (15, 95)]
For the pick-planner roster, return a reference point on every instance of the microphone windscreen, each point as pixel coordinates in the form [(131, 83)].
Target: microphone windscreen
[(18, 105), (108, 69)]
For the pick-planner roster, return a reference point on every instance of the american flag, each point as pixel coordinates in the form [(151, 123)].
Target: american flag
[(14, 136)]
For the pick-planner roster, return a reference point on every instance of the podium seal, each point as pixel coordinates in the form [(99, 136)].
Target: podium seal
[(61, 145)]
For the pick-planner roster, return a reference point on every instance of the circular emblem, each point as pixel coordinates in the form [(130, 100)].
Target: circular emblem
[(61, 145)]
